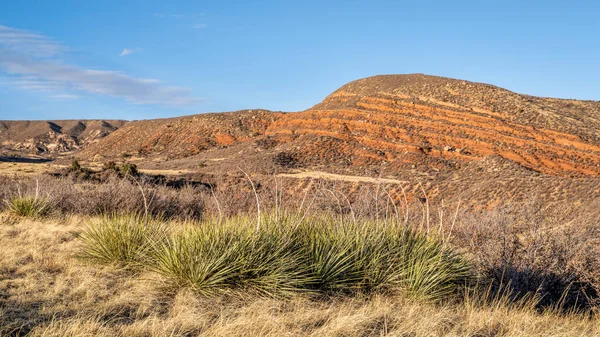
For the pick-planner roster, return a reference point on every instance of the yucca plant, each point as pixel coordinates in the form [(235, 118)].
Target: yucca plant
[(232, 257), (28, 206), (273, 263), (333, 259), (285, 255), (124, 240), (206, 260), (429, 270)]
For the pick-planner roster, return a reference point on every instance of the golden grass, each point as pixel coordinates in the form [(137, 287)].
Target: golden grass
[(27, 169), (46, 291)]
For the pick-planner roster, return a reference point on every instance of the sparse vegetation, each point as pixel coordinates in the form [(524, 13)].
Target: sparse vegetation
[(286, 160), (28, 206), (124, 240), (110, 166), (75, 166), (330, 267), (282, 256), (48, 292), (129, 169), (63, 196)]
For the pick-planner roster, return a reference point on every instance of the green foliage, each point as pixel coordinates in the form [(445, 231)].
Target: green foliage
[(366, 257), (75, 166), (224, 258), (284, 255), (28, 206), (110, 165), (130, 169), (124, 240)]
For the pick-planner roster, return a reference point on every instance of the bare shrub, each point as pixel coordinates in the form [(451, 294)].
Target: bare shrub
[(286, 160), (531, 252), (115, 195)]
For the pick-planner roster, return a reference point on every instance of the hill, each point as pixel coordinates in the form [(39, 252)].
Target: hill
[(414, 121), (182, 137), (53, 137), (442, 123)]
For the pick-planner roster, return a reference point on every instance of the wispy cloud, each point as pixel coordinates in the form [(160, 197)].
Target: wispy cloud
[(64, 97), (127, 51), (199, 26), (28, 42), (29, 59)]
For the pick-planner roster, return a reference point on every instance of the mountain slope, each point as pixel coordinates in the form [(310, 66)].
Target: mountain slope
[(442, 123), (182, 137), (54, 136), (420, 122)]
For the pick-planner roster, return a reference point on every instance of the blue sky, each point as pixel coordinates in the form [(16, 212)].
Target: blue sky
[(149, 59)]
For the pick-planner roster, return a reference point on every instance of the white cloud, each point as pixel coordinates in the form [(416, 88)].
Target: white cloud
[(127, 51), (30, 63), (64, 97), (28, 42), (199, 26)]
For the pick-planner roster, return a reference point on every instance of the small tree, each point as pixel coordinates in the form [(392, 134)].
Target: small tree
[(75, 166)]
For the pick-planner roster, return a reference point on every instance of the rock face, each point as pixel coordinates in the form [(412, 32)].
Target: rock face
[(443, 123), (54, 137), (414, 121)]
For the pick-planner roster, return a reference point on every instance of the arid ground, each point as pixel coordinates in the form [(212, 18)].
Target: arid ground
[(401, 205)]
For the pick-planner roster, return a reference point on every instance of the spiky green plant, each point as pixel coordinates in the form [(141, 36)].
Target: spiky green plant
[(429, 270), (316, 255), (273, 264), (204, 260), (286, 254), (231, 257), (332, 258), (28, 206), (367, 257), (125, 240)]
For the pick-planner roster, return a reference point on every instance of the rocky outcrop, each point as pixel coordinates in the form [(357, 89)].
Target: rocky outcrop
[(54, 137)]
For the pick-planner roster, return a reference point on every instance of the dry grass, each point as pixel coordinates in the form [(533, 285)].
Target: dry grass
[(64, 196), (46, 291)]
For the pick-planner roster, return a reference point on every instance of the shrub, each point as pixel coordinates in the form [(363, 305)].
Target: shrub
[(28, 206), (110, 166), (124, 240), (286, 160), (228, 257), (317, 255), (535, 254), (129, 169), (75, 166), (367, 257)]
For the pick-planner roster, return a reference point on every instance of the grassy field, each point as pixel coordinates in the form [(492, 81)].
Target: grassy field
[(113, 254), (47, 290)]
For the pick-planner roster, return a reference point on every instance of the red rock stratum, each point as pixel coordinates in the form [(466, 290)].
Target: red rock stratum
[(403, 121), (443, 123)]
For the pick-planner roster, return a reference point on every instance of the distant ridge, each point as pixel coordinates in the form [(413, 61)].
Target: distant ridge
[(58, 136), (410, 121)]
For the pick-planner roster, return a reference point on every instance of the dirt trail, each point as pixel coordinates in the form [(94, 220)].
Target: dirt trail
[(332, 176)]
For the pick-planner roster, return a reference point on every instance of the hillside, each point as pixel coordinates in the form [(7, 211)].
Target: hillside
[(183, 136), (53, 137), (399, 122), (442, 123)]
